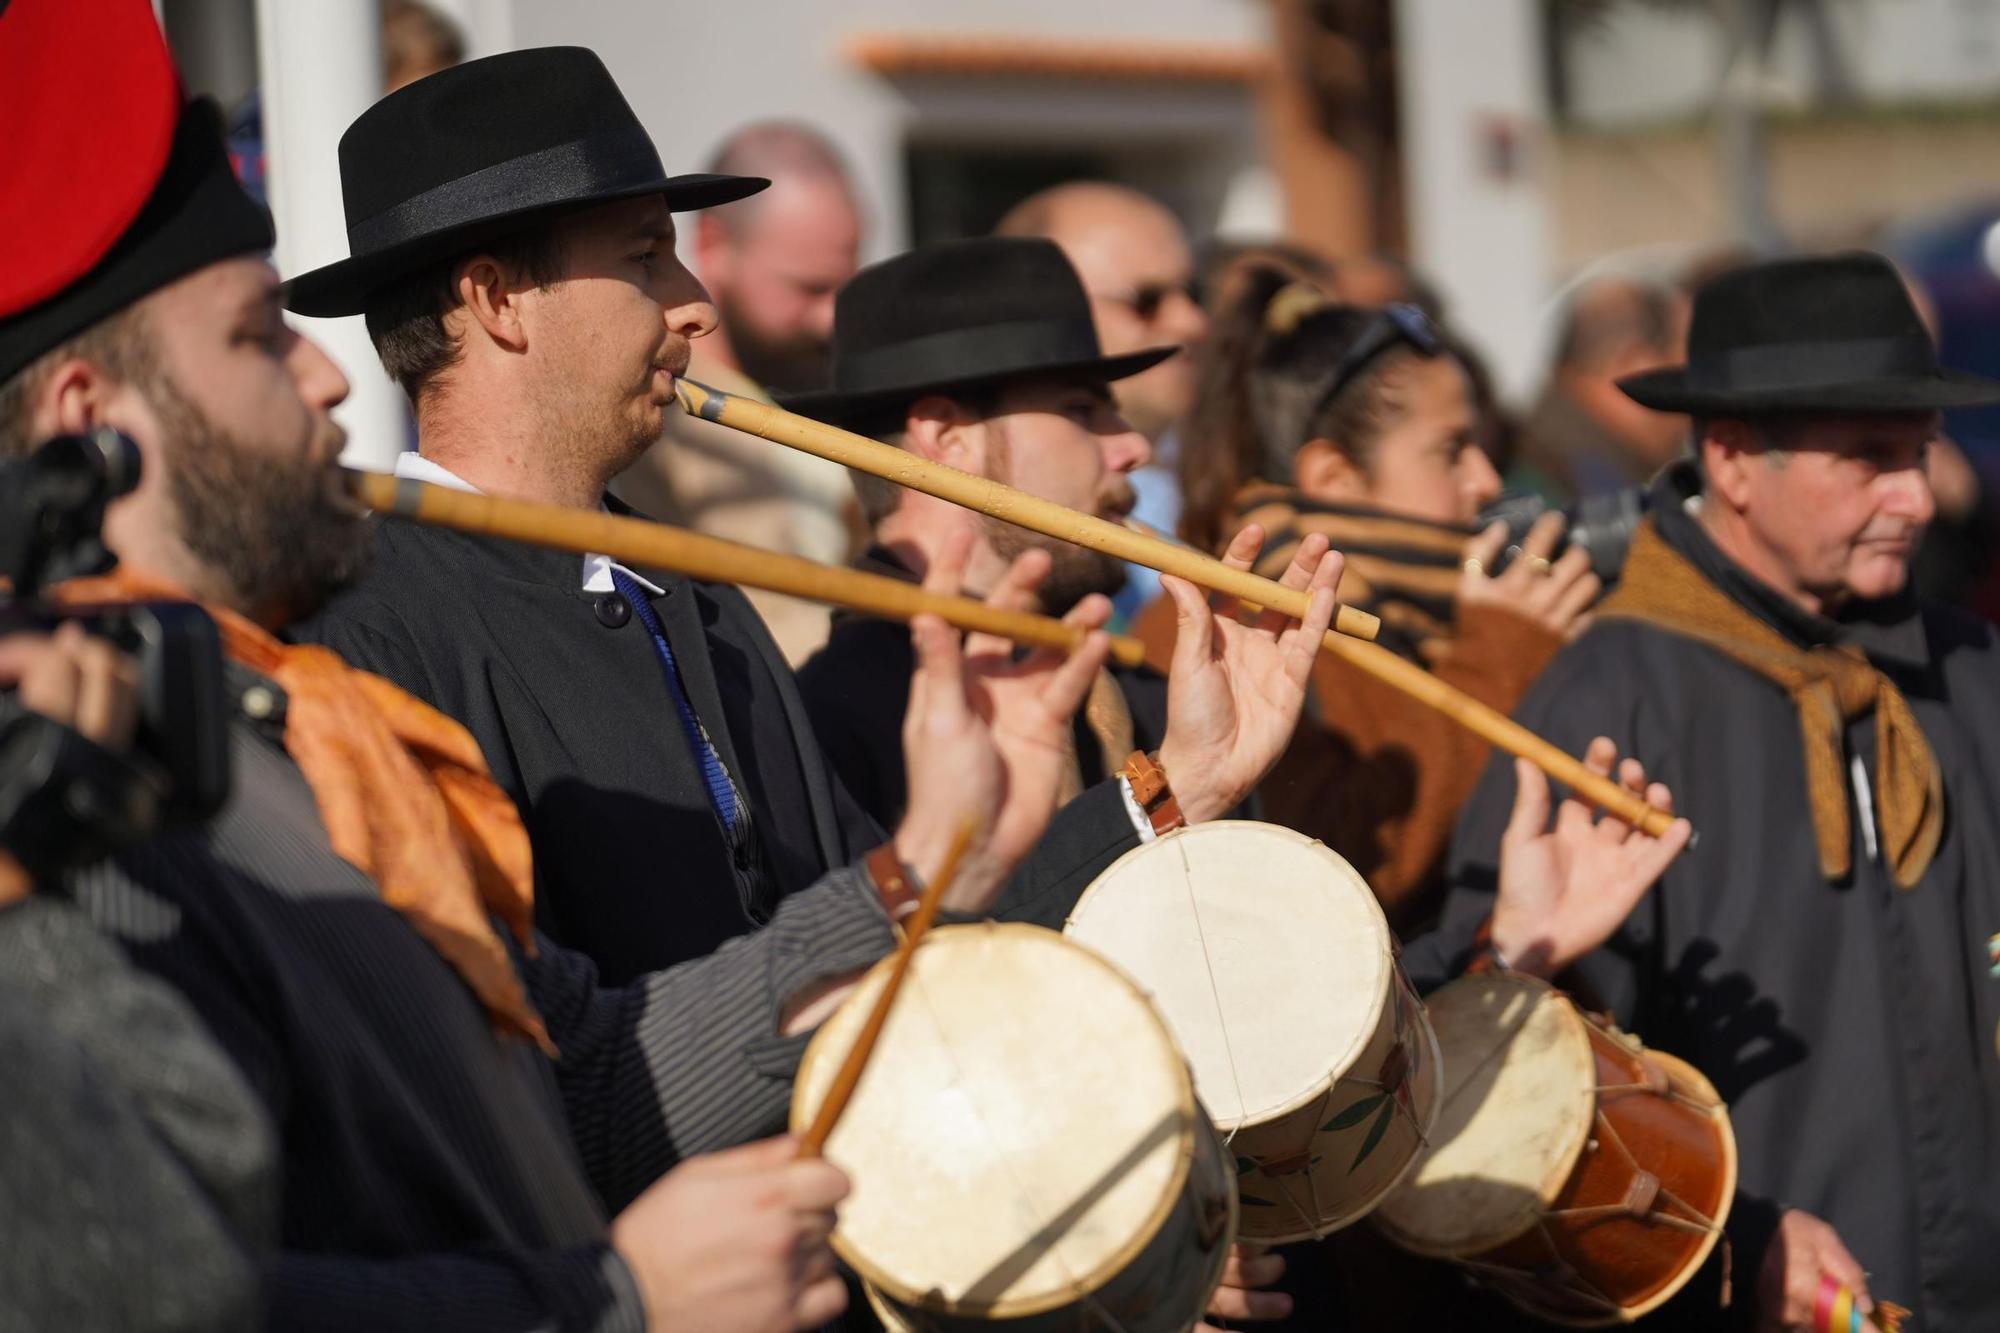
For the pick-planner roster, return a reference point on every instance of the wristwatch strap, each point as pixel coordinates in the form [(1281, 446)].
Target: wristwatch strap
[(1150, 790)]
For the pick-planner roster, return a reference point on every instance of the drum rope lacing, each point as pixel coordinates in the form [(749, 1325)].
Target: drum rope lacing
[(1575, 1284), (1015, 1178)]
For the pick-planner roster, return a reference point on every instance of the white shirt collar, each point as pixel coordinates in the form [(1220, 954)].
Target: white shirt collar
[(597, 569)]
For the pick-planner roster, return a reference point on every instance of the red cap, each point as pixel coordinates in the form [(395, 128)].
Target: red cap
[(89, 99)]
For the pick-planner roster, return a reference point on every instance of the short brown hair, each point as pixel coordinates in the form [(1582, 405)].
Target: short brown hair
[(119, 344), (406, 319)]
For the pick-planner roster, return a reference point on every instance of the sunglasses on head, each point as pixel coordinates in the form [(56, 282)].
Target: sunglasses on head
[(1146, 299), (1392, 324)]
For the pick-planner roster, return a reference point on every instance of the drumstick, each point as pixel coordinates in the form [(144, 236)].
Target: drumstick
[(641, 542), (1002, 502), (849, 1074), (1006, 503)]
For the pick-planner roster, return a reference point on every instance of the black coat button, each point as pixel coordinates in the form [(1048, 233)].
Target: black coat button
[(612, 610)]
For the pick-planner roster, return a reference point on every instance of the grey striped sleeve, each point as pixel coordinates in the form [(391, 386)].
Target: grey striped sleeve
[(689, 1060)]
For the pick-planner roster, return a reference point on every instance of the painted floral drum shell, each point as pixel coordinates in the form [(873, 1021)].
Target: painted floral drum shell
[(1276, 971)]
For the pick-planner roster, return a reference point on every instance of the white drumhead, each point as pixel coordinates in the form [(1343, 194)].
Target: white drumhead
[(1265, 951), (1520, 1094), (1021, 1131)]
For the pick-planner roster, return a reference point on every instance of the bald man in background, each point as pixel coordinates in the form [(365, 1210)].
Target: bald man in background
[(772, 264), (1133, 256), (1585, 436)]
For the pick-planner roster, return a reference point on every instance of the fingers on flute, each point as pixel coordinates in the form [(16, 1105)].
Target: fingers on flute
[(1241, 554), (1194, 635), (1301, 573), (946, 574), (937, 691), (1530, 816), (1070, 682), (1016, 589)]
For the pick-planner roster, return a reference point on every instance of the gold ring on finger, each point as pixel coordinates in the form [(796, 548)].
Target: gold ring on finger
[(1474, 565), (1538, 564)]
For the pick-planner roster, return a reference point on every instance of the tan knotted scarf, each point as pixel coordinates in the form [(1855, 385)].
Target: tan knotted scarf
[(1830, 685), (1109, 719), (404, 794)]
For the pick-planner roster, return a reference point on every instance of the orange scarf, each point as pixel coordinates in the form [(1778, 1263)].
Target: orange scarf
[(404, 794)]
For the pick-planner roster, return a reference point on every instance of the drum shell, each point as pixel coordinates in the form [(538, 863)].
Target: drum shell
[(1177, 1269), (1251, 938), (1635, 1262)]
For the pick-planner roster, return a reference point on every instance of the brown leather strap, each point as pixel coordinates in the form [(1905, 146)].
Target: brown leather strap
[(1150, 790), (893, 882), (1485, 958)]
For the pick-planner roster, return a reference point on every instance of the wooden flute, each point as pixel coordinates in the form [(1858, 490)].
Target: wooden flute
[(1348, 641), (637, 541)]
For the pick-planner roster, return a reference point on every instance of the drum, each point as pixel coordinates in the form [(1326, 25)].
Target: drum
[(1581, 1175), (1272, 964), (1024, 1145)]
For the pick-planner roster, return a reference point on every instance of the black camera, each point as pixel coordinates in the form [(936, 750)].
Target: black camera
[(63, 800), (1602, 525)]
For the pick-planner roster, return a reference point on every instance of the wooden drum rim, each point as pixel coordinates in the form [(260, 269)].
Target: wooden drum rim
[(1163, 1208), (1378, 1005)]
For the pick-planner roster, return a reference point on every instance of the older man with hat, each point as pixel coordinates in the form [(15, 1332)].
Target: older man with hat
[(1829, 952)]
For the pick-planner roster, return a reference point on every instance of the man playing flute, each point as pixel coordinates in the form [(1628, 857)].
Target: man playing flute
[(1829, 954)]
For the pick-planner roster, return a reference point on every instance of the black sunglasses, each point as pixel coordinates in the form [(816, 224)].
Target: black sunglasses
[(1145, 300), (1392, 324)]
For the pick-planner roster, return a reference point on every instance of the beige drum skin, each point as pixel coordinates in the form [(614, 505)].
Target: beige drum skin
[(1024, 1145), (1276, 971)]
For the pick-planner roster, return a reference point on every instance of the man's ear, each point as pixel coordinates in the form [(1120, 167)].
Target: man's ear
[(489, 303), (940, 429), (1729, 449), (72, 400), (1322, 471)]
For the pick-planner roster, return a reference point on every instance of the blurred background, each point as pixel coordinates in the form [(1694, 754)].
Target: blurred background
[(1502, 156)]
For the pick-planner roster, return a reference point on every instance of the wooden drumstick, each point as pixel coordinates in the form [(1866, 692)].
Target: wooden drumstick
[(1004, 502), (637, 541), (849, 1074)]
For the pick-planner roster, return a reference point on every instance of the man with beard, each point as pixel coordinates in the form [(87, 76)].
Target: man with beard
[(1829, 955), (771, 263), (644, 723), (460, 1107), (1041, 419)]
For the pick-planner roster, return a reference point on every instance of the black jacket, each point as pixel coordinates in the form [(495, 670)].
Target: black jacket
[(564, 693)]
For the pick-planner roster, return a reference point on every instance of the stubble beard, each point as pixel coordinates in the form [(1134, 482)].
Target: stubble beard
[(1075, 572), (267, 526)]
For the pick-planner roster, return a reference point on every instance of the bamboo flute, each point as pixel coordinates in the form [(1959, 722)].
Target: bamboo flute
[(640, 542), (1348, 642), (848, 1076)]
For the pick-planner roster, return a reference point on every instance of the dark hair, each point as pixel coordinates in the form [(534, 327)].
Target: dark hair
[(406, 319), (878, 496), (1260, 378), (119, 344)]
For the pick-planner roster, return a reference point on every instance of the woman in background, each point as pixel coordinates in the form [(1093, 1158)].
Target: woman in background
[(1363, 424)]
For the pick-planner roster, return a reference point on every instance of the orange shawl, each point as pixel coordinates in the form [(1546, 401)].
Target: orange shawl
[(404, 794)]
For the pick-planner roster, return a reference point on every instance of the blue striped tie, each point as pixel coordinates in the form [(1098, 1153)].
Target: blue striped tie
[(721, 791)]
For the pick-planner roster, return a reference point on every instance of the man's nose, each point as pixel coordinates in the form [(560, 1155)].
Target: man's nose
[(1126, 451), (1182, 320)]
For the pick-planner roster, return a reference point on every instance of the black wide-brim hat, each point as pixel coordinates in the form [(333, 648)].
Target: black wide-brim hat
[(486, 148), (1830, 333), (958, 316)]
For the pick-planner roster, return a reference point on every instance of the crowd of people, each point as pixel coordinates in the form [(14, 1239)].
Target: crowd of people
[(479, 1000)]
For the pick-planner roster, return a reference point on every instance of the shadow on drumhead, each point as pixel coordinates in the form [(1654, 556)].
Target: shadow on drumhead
[(987, 1289)]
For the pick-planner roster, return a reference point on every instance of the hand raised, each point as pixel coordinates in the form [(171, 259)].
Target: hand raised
[(1234, 691), (987, 736), (1564, 888), (736, 1242), (1804, 1253), (1556, 594)]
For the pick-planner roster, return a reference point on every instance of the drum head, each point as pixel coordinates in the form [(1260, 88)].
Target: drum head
[(1266, 953), (1022, 1130), (1520, 1093)]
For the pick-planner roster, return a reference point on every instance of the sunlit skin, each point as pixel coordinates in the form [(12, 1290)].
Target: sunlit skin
[(1125, 247), (234, 358), (1426, 464), (565, 385), (1826, 510), (1061, 440)]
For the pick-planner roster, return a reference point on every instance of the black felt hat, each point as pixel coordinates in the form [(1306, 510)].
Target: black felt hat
[(1832, 333), (960, 315), (482, 149)]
